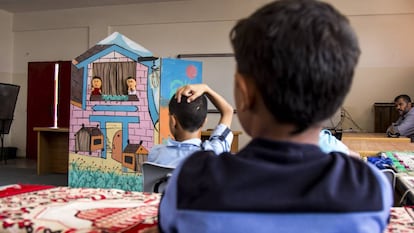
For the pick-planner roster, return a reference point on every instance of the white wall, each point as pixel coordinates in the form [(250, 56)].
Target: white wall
[(386, 66), (6, 48), (385, 29)]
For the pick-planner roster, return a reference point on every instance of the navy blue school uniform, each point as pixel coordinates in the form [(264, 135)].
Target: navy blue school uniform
[(274, 186)]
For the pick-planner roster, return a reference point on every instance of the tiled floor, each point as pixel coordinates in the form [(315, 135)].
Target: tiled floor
[(24, 171), (19, 163)]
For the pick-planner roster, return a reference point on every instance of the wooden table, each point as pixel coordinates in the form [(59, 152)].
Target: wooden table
[(370, 147), (373, 136), (52, 150), (234, 145)]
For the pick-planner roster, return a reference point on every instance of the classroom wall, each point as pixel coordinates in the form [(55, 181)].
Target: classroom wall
[(386, 66), (6, 46), (385, 29), (6, 49)]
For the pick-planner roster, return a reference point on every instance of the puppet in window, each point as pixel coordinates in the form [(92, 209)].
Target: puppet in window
[(132, 85), (96, 85)]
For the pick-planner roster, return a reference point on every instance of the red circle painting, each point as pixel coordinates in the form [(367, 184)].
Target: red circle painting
[(191, 71)]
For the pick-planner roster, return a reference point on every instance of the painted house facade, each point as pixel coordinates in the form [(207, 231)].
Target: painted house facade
[(119, 101)]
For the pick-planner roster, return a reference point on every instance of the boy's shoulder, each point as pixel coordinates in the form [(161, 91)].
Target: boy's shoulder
[(176, 144), (348, 178)]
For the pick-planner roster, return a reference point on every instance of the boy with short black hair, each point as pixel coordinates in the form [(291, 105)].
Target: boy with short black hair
[(190, 115), (295, 65), (187, 115)]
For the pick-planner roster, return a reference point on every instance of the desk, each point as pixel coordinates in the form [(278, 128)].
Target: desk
[(234, 145), (52, 150), (370, 147), (403, 165), (373, 136)]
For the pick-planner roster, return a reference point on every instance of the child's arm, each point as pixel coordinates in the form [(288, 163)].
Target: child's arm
[(193, 91)]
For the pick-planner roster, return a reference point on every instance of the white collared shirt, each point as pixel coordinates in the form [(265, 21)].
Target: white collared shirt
[(172, 153)]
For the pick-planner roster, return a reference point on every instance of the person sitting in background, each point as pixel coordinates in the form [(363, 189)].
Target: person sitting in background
[(295, 61), (187, 115), (404, 126)]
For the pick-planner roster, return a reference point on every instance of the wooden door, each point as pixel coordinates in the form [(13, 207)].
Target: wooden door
[(40, 99)]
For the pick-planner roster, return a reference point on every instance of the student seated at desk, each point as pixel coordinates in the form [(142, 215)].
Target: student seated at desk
[(187, 115), (404, 126), (295, 61)]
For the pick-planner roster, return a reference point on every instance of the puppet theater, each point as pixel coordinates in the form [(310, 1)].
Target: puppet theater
[(119, 110)]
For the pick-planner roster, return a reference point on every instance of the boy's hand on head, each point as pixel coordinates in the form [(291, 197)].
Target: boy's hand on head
[(192, 91)]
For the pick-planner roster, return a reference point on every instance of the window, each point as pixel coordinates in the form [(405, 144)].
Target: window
[(109, 79)]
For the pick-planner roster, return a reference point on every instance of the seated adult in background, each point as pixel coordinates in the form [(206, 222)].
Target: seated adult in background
[(187, 115), (404, 126), (295, 61)]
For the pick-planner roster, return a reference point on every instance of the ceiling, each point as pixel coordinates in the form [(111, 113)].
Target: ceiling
[(18, 6)]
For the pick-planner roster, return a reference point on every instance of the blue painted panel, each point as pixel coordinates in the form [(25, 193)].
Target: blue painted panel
[(115, 108), (176, 73)]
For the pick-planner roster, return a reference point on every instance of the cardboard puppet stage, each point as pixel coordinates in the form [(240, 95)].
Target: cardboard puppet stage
[(119, 110)]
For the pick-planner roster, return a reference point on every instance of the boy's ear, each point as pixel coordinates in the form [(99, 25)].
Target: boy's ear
[(173, 121), (245, 92)]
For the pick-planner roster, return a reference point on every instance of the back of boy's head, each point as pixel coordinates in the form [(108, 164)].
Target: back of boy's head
[(301, 54), (191, 116)]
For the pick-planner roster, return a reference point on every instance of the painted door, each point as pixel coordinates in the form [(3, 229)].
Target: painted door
[(40, 99)]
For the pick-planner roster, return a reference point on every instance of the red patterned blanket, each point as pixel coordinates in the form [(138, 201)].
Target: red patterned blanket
[(401, 220), (63, 209), (34, 208)]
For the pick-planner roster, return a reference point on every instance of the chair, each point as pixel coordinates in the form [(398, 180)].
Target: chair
[(390, 174), (155, 177)]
